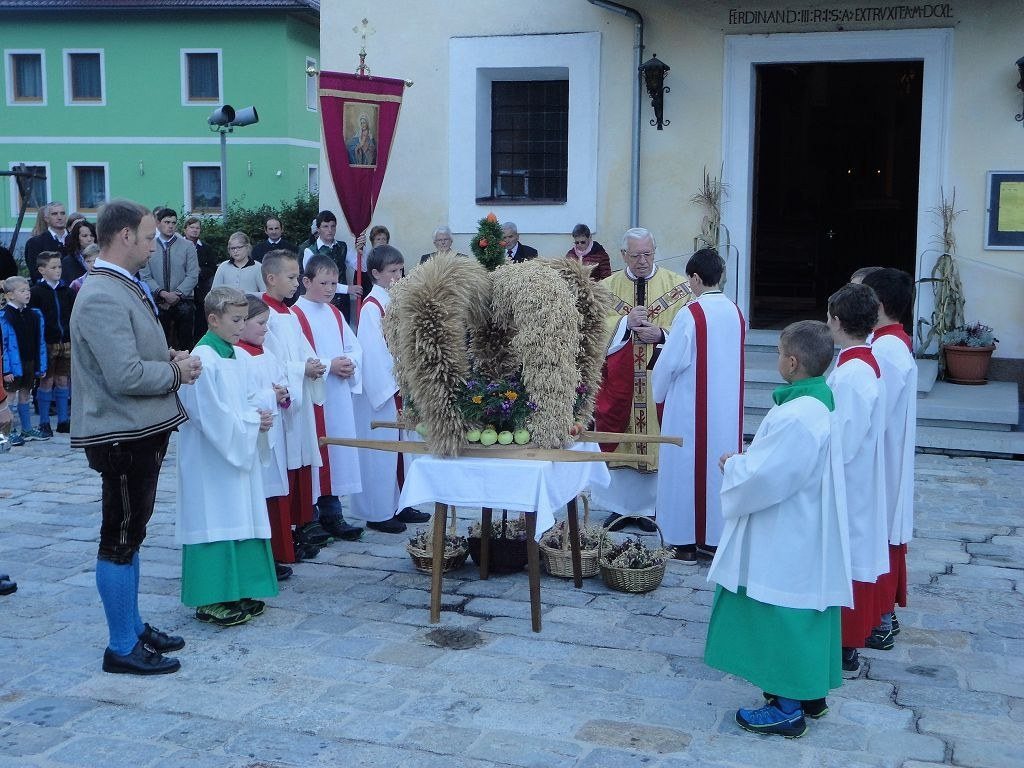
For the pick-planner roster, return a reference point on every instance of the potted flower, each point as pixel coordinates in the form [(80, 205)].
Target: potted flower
[(968, 350), (632, 566)]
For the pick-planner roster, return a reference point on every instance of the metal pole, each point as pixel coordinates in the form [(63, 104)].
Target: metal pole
[(224, 170)]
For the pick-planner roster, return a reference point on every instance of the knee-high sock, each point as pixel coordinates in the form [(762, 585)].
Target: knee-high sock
[(140, 627), (61, 396), (116, 585), (44, 397), (25, 416)]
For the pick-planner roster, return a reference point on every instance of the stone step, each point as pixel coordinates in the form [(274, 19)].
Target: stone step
[(948, 405), (761, 370)]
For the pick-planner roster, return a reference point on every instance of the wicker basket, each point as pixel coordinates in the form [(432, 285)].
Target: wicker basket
[(506, 555), (423, 559), (558, 562), (634, 580)]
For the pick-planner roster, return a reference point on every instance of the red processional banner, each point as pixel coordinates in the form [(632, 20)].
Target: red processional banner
[(360, 113)]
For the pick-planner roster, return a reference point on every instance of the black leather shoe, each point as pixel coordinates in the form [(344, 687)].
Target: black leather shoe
[(393, 525), (339, 529), (706, 550), (615, 522), (645, 524), (161, 641), (141, 661), (283, 571), (63, 427), (412, 515), (7, 587)]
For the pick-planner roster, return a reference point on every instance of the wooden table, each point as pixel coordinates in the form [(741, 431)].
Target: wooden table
[(537, 488)]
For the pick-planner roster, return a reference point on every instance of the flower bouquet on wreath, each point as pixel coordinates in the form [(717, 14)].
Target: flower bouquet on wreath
[(507, 543), (632, 566)]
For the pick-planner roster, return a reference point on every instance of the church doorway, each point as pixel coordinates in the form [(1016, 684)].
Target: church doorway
[(837, 153)]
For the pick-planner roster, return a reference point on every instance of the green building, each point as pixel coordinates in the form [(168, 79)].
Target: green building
[(110, 98)]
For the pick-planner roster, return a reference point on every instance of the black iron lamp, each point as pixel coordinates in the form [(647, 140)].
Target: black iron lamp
[(654, 71), (1020, 85)]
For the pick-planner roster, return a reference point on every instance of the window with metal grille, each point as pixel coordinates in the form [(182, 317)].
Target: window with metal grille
[(529, 140)]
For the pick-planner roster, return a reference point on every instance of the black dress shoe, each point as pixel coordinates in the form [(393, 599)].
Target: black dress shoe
[(615, 522), (141, 661), (393, 525), (7, 587), (161, 641), (706, 550), (283, 571), (63, 427), (339, 529), (412, 515), (645, 524)]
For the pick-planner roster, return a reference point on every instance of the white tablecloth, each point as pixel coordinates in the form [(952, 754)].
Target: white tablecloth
[(523, 486)]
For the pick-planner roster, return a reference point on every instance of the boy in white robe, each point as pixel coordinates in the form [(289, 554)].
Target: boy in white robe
[(222, 525), (338, 348), (382, 472), (265, 376), (858, 421), (783, 564), (699, 378), (893, 350), (305, 382)]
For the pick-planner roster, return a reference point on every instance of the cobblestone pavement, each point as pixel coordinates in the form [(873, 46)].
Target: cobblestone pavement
[(341, 670)]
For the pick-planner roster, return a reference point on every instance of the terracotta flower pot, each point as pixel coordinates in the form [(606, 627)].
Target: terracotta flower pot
[(967, 365)]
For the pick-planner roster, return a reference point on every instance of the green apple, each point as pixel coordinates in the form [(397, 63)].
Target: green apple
[(488, 437), (422, 429), (473, 436), (505, 437), (521, 436)]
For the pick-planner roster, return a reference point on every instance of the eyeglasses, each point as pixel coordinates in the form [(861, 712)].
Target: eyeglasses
[(236, 247), (645, 255), (581, 242)]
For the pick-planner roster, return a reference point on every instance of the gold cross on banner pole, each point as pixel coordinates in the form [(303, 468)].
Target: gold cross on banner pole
[(363, 29)]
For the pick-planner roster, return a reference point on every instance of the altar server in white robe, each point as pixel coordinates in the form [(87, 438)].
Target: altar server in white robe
[(337, 347), (783, 564), (221, 507), (699, 378), (382, 472), (266, 376), (858, 421), (304, 378), (893, 349)]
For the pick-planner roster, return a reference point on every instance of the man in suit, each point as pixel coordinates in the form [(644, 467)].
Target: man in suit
[(51, 239), (172, 276), (275, 240), (124, 410), (515, 251)]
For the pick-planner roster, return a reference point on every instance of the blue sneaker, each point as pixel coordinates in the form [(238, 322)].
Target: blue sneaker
[(36, 434), (771, 719), (16, 439)]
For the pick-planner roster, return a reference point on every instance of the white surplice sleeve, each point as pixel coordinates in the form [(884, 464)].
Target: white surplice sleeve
[(776, 465)]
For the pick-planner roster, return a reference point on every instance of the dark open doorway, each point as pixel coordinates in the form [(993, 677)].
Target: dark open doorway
[(835, 180)]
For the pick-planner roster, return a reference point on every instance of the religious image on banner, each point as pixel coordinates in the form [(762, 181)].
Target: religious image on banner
[(360, 131)]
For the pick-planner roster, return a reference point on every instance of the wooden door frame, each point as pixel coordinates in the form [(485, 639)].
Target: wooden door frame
[(934, 47)]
